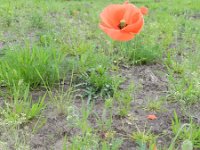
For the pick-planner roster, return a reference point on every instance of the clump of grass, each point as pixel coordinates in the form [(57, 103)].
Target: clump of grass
[(7, 14), (124, 99), (99, 81), (47, 39), (37, 21), (183, 131), (62, 99), (14, 138), (31, 66), (144, 139), (92, 71), (154, 105), (20, 108)]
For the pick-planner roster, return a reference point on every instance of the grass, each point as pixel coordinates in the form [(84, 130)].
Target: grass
[(124, 98), (57, 65), (191, 133), (25, 65), (155, 105), (144, 139)]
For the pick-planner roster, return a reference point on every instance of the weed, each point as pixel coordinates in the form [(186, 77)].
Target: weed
[(124, 99), (154, 105), (62, 99), (113, 145), (21, 109), (105, 121), (95, 75), (144, 139), (37, 21), (189, 131), (7, 14), (19, 138), (47, 39), (87, 141)]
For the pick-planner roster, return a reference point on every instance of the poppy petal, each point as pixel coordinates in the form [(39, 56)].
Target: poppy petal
[(112, 15), (118, 35), (151, 117), (136, 27), (131, 10), (136, 17)]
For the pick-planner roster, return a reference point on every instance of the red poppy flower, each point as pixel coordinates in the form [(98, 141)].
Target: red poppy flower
[(122, 22)]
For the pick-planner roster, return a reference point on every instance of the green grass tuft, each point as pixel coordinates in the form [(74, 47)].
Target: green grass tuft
[(24, 65)]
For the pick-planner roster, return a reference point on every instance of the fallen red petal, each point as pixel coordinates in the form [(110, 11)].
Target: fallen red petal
[(151, 117)]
